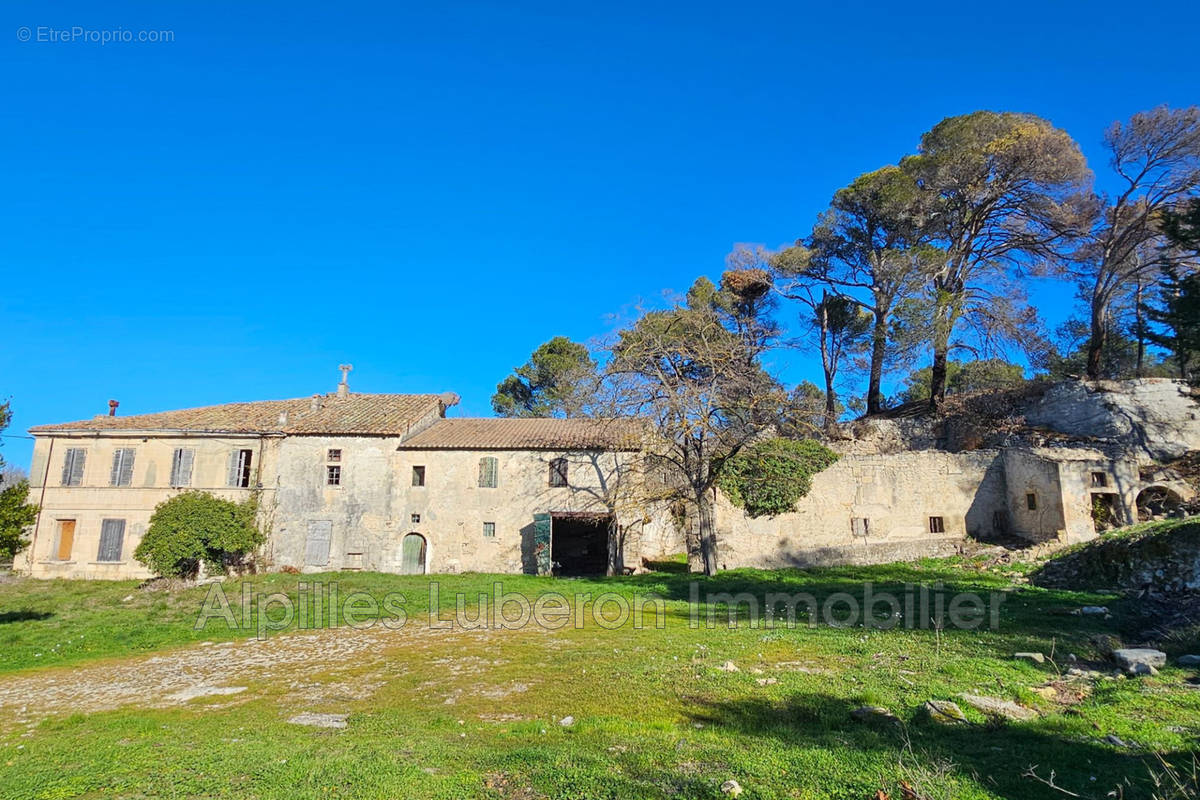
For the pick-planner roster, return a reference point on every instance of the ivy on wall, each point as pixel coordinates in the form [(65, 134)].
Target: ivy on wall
[(771, 476)]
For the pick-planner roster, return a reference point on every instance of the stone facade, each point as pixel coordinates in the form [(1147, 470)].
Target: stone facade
[(337, 478)]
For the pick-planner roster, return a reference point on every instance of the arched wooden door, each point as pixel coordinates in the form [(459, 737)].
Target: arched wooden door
[(412, 555)]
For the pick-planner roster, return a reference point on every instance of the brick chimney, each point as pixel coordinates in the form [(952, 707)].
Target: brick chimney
[(112, 408)]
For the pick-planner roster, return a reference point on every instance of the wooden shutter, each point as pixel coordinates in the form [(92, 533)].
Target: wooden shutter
[(558, 472), (542, 529), (316, 548), (181, 467), (122, 467), (73, 466), (234, 471), (112, 537), (66, 539), (487, 472)]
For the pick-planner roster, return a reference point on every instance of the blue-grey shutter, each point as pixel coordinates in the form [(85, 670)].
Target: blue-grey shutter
[(73, 466), (316, 549), (126, 475), (122, 467), (181, 467), (112, 537), (542, 527)]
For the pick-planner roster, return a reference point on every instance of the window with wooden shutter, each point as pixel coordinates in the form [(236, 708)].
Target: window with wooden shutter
[(122, 467), (112, 539), (860, 526), (558, 472), (316, 547), (181, 466), (418, 476), (488, 468), (73, 462), (239, 468)]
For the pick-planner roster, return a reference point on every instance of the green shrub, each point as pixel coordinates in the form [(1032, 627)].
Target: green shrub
[(770, 477), (196, 527), (16, 515)]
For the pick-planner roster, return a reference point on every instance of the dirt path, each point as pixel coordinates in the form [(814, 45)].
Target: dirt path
[(306, 664)]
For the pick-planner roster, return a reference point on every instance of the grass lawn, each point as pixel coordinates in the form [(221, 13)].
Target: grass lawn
[(656, 713)]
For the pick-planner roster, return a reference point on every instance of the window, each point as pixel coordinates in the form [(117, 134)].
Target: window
[(122, 467), (418, 476), (558, 472), (1099, 480), (73, 462), (1031, 501), (181, 467), (487, 472), (860, 526), (335, 454), (239, 468), (937, 525), (416, 519), (489, 530), (112, 539), (333, 475)]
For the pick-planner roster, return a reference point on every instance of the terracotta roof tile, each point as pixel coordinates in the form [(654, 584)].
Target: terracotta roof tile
[(528, 434), (355, 414)]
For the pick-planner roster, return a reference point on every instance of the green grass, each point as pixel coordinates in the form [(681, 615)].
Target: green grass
[(655, 715)]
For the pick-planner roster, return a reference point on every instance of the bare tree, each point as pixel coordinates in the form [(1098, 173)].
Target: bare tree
[(694, 375), (1156, 156), (1004, 191)]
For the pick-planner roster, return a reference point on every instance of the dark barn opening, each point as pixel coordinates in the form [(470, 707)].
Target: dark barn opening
[(579, 543)]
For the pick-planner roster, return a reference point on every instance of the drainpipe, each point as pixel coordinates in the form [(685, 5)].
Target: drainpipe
[(37, 523)]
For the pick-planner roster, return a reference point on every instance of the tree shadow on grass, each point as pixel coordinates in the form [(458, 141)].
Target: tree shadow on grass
[(23, 616), (995, 756)]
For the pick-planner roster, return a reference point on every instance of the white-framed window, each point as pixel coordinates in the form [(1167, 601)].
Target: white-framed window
[(239, 468), (489, 530)]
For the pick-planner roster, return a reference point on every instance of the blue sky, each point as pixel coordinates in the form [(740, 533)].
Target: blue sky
[(429, 193)]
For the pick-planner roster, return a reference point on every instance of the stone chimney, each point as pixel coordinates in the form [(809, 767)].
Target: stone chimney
[(315, 405), (112, 408), (344, 386)]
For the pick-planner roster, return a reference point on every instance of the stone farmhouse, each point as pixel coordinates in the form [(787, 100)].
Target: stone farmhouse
[(354, 481)]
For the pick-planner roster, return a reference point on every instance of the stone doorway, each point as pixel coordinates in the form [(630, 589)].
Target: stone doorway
[(412, 555), (579, 543)]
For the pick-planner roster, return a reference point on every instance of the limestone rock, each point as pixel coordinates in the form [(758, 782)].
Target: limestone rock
[(729, 666), (1141, 668), (996, 707), (320, 720), (567, 721), (944, 712), (1188, 661), (873, 714), (1094, 611), (766, 681), (1128, 658), (1037, 658), (731, 788)]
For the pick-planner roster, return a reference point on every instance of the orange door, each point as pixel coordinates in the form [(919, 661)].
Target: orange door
[(66, 538)]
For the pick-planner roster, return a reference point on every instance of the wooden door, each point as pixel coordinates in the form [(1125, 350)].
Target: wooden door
[(412, 555), (66, 538)]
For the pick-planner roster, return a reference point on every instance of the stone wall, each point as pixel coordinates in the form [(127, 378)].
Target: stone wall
[(897, 494), (1165, 558)]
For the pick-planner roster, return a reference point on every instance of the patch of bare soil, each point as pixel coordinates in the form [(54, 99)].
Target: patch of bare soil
[(315, 667)]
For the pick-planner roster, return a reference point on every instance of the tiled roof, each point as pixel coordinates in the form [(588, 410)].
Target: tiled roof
[(528, 434), (354, 414)]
